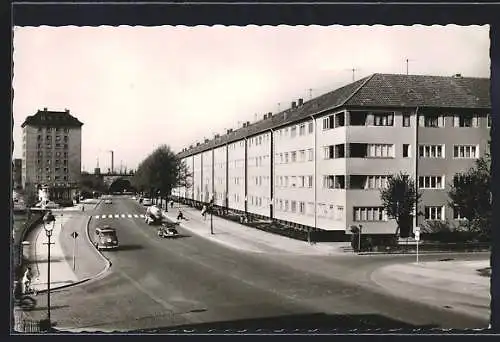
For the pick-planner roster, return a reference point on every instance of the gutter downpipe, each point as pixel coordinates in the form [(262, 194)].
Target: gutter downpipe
[(226, 200), (415, 219), (272, 171), (246, 183), (314, 182)]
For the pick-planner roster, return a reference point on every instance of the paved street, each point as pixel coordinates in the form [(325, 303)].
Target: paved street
[(191, 281)]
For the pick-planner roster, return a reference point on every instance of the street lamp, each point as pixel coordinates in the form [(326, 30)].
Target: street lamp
[(49, 222), (212, 216)]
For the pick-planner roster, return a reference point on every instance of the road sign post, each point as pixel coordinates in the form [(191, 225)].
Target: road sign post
[(417, 238), (74, 235)]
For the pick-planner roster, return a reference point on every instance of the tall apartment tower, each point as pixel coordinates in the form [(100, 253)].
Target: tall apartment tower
[(52, 150)]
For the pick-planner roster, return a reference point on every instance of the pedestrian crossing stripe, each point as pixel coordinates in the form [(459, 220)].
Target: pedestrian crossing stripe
[(119, 216)]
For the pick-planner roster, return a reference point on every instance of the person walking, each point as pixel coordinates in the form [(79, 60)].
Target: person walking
[(180, 216), (27, 277), (204, 212)]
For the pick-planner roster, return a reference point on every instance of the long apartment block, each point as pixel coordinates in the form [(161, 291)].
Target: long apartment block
[(321, 163)]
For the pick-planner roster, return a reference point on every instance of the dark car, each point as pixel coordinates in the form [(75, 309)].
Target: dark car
[(167, 232), (106, 238)]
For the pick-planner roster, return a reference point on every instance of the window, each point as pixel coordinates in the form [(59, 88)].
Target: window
[(293, 132), (294, 157), (286, 181), (49, 129), (293, 181), (376, 182), (334, 182), (434, 213), (281, 158), (340, 213), (406, 120), (380, 151), (431, 182), (286, 205), (311, 127), (294, 206), (466, 120), (457, 215), (406, 150), (302, 154), (431, 151), (309, 181), (302, 207), (465, 151), (39, 137), (369, 214), (302, 129), (328, 122), (385, 119), (334, 151), (310, 154), (286, 157), (301, 182), (433, 121), (58, 138)]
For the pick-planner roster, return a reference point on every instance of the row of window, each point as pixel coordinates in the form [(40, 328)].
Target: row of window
[(49, 162), (49, 138), (301, 129), (49, 145), (294, 181), (372, 214), (295, 156), (299, 207), (50, 178), (56, 129)]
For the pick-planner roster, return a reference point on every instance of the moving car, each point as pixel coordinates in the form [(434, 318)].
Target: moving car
[(167, 232), (108, 201), (153, 215), (105, 238), (147, 201)]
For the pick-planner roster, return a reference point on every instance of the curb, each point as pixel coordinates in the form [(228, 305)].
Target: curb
[(422, 253), (79, 282)]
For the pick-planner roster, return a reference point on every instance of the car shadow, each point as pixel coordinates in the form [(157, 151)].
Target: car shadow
[(132, 247)]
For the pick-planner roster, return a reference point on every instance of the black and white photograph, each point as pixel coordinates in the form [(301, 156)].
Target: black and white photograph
[(251, 179)]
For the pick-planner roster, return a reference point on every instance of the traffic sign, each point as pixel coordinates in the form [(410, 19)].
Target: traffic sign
[(417, 235), (74, 235)]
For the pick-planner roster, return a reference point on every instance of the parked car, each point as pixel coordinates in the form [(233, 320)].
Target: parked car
[(47, 205), (147, 201), (105, 238), (108, 201)]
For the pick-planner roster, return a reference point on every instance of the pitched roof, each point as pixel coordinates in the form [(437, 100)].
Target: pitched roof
[(377, 90), (47, 118)]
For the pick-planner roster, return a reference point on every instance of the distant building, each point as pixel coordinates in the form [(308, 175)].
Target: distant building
[(322, 163), (52, 149), (17, 166)]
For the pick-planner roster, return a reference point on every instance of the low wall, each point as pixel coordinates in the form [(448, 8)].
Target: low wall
[(18, 260)]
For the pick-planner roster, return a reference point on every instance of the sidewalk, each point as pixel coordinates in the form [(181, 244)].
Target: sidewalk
[(61, 267), (449, 284), (238, 236)]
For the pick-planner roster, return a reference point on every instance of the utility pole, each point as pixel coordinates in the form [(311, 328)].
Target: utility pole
[(407, 60), (310, 93), (353, 70)]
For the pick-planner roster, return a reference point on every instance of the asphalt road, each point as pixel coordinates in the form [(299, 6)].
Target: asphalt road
[(190, 282)]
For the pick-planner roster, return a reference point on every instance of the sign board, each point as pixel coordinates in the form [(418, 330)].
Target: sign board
[(74, 235), (417, 235)]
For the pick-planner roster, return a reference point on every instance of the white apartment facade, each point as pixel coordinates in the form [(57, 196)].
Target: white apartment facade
[(328, 158)]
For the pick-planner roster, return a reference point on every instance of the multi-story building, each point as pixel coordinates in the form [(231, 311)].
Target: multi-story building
[(322, 163), (52, 148), (17, 173)]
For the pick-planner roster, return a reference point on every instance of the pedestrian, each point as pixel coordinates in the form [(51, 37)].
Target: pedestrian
[(204, 212), (171, 204), (180, 216)]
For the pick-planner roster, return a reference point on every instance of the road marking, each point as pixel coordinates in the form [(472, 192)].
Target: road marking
[(135, 215), (123, 215), (116, 216), (97, 216), (129, 215), (141, 215)]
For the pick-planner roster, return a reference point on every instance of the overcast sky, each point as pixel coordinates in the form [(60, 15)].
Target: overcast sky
[(135, 88)]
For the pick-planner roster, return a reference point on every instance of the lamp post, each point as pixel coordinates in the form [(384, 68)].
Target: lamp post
[(49, 222), (212, 216), (359, 237)]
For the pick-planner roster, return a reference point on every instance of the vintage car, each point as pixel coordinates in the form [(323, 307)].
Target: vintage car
[(168, 231), (105, 238)]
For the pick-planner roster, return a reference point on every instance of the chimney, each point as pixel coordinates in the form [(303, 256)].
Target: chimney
[(457, 76), (45, 109), (294, 105), (265, 116), (66, 110), (248, 123), (197, 144), (269, 115), (301, 102), (206, 140), (190, 146), (229, 130), (217, 136)]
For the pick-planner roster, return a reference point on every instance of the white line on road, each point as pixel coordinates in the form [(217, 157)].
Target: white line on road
[(141, 215), (97, 216), (129, 215), (123, 215), (135, 215), (116, 215)]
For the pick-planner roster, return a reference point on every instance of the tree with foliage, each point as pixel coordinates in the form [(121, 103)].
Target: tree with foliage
[(399, 200), (160, 172), (90, 183), (470, 195)]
